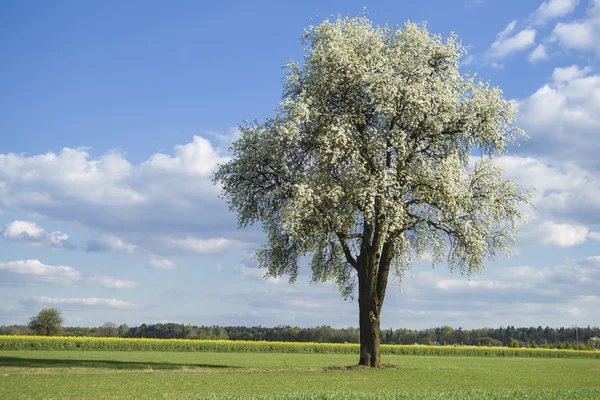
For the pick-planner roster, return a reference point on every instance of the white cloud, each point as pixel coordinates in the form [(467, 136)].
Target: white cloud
[(538, 54), (562, 235), (30, 232), (35, 271), (560, 284), (576, 35), (248, 272), (506, 45), (161, 263), (531, 171), (23, 230), (109, 243), (113, 283), (220, 267), (568, 74), (168, 193), (523, 273), (201, 246), (58, 239), (225, 140), (562, 118), (594, 236), (462, 284), (303, 303), (468, 60), (508, 30), (583, 34), (554, 9), (593, 262), (257, 274), (544, 104), (565, 192), (507, 42), (197, 159), (518, 295), (83, 302), (67, 175)]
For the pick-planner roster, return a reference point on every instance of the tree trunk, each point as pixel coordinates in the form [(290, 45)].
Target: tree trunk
[(373, 271), (369, 311), (369, 333)]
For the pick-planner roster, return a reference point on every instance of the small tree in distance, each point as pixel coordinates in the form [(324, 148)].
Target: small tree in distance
[(108, 329), (48, 322), (123, 329), (380, 152)]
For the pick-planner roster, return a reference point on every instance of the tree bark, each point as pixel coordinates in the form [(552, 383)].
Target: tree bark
[(369, 334), (373, 271)]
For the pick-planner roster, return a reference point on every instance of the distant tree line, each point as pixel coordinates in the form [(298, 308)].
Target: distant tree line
[(582, 337)]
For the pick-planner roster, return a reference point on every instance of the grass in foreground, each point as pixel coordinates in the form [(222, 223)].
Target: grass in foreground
[(180, 375)]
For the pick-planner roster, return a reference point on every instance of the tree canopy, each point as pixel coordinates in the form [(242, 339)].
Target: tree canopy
[(381, 151), (48, 322)]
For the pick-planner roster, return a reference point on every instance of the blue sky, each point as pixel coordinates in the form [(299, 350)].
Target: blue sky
[(113, 116)]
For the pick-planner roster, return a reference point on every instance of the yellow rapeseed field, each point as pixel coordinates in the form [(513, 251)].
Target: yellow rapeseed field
[(130, 344)]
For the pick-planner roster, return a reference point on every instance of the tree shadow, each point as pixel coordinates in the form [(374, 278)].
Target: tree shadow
[(110, 364)]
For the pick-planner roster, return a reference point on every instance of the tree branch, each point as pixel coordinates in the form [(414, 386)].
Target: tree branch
[(351, 260), (350, 235)]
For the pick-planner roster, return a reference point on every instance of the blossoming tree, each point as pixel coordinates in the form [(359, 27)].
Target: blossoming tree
[(379, 153)]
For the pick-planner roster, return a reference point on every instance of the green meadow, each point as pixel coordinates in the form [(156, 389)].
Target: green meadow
[(76, 374)]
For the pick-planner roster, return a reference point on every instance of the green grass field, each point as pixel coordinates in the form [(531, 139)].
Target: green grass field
[(186, 375)]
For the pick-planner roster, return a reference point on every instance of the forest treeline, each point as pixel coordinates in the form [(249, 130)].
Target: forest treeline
[(580, 337)]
